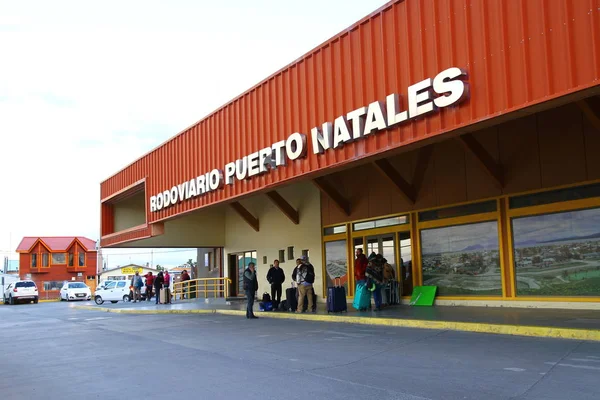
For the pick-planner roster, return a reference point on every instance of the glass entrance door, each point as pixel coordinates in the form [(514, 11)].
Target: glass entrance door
[(385, 245)]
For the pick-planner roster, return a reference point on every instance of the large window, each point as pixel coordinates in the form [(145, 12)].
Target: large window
[(82, 259), (462, 259), (71, 259), (558, 254), (34, 260), (45, 260), (336, 262), (53, 285), (59, 258)]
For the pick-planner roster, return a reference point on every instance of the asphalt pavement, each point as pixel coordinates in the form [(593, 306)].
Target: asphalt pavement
[(52, 351)]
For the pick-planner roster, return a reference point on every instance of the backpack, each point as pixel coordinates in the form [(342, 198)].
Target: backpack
[(266, 297), (310, 274)]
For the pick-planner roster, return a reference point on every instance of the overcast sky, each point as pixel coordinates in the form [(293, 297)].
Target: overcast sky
[(86, 87)]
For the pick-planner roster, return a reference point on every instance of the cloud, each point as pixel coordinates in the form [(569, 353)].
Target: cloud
[(86, 88)]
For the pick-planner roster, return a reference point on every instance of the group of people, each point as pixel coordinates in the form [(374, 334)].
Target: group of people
[(153, 283), (372, 273), (303, 275)]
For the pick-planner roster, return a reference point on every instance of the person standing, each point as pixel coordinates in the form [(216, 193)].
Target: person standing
[(250, 287), (360, 266), (137, 283), (167, 287), (276, 277), (184, 278), (158, 284), (149, 284), (305, 277)]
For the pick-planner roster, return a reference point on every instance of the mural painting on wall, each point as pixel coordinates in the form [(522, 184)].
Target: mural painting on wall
[(558, 254), (336, 263), (462, 259)]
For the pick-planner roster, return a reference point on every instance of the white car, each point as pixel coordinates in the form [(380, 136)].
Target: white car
[(19, 291), (112, 291), (75, 291)]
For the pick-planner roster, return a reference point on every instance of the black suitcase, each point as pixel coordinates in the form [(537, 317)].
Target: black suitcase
[(336, 297), (291, 296)]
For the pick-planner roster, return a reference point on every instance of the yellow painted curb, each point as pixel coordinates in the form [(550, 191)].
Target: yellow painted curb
[(49, 301), (500, 329)]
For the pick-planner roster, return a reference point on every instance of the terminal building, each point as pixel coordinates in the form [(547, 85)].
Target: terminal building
[(459, 139)]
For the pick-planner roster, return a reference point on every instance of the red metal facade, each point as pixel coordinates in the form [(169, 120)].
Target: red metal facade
[(517, 53)]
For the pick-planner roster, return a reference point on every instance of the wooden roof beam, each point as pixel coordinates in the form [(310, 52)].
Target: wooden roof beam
[(333, 194), (493, 169), (246, 215), (591, 110), (388, 171), (285, 207), (423, 159)]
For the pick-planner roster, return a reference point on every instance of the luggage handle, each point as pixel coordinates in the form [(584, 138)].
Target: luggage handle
[(337, 281)]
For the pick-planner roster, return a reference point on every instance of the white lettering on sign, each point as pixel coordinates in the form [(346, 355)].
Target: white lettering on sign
[(448, 88)]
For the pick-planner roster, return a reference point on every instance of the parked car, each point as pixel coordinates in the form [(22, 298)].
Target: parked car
[(112, 291), (19, 291), (75, 291)]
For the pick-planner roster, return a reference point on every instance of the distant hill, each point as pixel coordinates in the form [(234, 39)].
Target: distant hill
[(474, 247)]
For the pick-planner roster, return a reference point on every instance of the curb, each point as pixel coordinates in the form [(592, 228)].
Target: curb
[(498, 329)]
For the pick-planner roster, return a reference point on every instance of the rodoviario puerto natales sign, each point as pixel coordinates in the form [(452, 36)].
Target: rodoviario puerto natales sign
[(446, 89)]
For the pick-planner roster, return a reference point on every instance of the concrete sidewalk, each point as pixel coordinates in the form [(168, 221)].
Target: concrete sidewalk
[(565, 324)]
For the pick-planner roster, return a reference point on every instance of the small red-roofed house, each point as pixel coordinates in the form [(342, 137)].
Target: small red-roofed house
[(49, 261)]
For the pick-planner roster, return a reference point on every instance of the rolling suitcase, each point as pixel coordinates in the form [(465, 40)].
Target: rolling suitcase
[(362, 297), (336, 297), (291, 296), (165, 296)]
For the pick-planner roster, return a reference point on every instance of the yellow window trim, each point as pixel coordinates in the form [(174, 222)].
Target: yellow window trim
[(469, 219), (555, 207), (381, 231)]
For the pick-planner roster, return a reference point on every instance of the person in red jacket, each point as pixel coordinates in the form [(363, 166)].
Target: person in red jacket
[(167, 285), (149, 285), (360, 266)]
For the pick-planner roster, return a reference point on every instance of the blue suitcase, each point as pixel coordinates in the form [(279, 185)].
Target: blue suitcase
[(336, 297), (362, 297)]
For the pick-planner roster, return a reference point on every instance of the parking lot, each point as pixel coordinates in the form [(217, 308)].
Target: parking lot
[(53, 351)]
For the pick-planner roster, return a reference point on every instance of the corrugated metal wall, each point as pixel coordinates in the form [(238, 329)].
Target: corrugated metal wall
[(517, 52)]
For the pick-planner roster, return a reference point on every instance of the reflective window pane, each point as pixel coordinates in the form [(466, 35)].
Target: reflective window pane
[(378, 223), (336, 262), (462, 259), (405, 270), (458, 211), (558, 254), (58, 258), (332, 230), (555, 196)]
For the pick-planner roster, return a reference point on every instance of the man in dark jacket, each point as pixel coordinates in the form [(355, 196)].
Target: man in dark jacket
[(159, 280), (250, 287), (276, 277)]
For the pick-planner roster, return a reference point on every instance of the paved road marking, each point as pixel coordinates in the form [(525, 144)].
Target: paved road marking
[(73, 319), (97, 318), (264, 335), (574, 366), (514, 369), (585, 359)]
